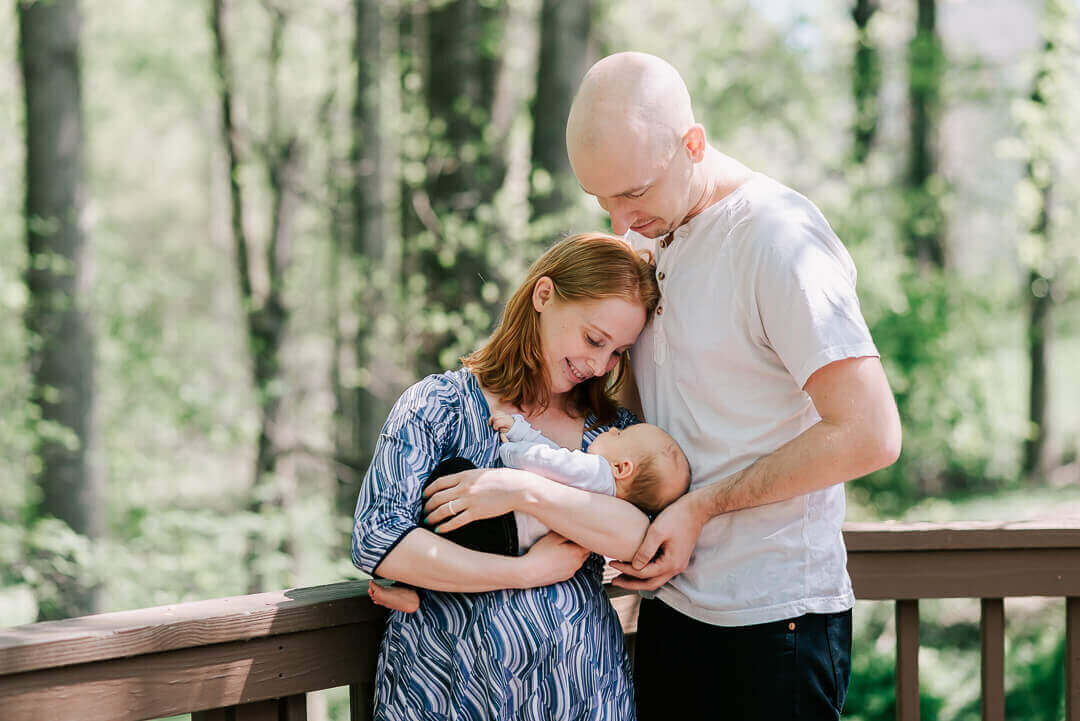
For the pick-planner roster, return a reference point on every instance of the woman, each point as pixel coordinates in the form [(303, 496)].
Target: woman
[(506, 637)]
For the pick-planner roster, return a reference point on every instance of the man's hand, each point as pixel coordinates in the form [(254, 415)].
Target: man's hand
[(461, 498), (396, 598), (666, 550), (502, 422)]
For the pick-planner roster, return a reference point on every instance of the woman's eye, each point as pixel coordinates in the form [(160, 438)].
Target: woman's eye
[(593, 342)]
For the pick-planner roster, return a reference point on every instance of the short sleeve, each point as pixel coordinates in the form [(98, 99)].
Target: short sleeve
[(805, 296), (421, 425)]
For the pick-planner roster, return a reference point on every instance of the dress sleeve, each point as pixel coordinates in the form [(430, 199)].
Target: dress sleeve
[(421, 425)]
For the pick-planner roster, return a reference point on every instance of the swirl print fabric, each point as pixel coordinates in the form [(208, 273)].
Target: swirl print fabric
[(537, 654)]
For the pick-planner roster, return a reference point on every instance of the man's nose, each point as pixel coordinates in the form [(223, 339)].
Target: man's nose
[(619, 214)]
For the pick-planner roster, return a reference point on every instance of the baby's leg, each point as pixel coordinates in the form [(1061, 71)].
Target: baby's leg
[(491, 535)]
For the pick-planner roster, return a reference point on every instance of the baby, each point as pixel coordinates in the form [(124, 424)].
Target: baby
[(641, 464)]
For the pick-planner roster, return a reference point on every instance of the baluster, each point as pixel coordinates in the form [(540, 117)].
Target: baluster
[(361, 701), (993, 659), (907, 660), (1072, 658)]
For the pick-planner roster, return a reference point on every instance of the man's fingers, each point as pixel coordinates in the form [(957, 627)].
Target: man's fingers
[(641, 584), (647, 550), (650, 570)]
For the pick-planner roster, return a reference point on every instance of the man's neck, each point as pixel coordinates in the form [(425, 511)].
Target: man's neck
[(719, 175)]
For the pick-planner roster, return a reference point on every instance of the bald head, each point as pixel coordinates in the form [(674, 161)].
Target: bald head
[(631, 98)]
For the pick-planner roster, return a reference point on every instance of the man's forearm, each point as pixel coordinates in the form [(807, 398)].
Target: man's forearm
[(823, 455)]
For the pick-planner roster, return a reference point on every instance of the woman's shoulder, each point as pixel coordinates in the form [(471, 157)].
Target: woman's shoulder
[(625, 417), (433, 397)]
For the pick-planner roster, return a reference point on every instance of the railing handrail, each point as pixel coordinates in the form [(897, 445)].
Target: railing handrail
[(221, 652), (196, 623), (51, 644)]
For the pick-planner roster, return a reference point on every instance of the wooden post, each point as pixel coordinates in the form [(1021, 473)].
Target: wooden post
[(993, 659), (907, 660), (290, 708), (361, 701), (1072, 658)]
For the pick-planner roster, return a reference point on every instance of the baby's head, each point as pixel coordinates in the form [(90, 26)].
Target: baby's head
[(650, 469)]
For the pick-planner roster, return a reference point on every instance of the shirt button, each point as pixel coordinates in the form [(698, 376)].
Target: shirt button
[(660, 275), (791, 626), (659, 310)]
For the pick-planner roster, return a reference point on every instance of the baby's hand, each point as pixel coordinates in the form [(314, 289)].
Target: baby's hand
[(502, 422)]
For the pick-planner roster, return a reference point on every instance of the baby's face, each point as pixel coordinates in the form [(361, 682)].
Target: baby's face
[(632, 442)]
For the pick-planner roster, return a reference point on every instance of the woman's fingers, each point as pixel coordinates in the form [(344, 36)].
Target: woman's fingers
[(439, 508), (441, 484), (462, 519)]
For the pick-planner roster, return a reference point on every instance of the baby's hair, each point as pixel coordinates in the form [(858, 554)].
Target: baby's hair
[(647, 492)]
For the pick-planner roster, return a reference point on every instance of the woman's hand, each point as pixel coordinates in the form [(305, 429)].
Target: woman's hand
[(460, 498), (553, 559)]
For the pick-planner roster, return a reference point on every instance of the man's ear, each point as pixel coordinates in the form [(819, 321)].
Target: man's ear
[(543, 293), (693, 141), (622, 469)]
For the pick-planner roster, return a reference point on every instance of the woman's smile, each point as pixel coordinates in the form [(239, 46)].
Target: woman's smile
[(575, 373)]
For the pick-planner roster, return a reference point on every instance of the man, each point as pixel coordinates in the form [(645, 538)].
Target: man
[(759, 363)]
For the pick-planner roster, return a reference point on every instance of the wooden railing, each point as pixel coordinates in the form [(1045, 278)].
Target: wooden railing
[(255, 657)]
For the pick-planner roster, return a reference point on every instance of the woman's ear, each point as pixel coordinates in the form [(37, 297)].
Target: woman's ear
[(622, 469), (543, 293)]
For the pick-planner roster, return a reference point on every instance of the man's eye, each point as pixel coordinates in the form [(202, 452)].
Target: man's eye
[(638, 194)]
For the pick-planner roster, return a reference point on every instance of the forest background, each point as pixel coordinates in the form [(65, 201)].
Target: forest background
[(232, 231)]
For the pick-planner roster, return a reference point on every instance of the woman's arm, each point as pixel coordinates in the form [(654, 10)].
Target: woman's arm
[(423, 559), (601, 523)]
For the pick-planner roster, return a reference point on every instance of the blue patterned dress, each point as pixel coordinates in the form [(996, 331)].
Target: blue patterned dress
[(554, 652)]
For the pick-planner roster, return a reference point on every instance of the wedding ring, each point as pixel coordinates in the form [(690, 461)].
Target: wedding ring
[(452, 511)]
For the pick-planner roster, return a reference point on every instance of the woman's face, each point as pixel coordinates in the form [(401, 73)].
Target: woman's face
[(584, 338)]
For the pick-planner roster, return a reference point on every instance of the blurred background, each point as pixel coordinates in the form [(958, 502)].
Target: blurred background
[(232, 231)]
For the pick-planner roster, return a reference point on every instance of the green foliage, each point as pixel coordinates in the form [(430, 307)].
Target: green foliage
[(772, 87)]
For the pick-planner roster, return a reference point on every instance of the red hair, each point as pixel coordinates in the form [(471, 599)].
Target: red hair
[(587, 266)]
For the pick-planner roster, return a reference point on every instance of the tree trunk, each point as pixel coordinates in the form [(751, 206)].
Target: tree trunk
[(267, 317), (375, 251), (452, 249), (59, 279), (1039, 291), (865, 81), (564, 58), (926, 64)]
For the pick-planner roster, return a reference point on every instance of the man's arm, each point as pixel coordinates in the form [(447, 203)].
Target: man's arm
[(859, 433)]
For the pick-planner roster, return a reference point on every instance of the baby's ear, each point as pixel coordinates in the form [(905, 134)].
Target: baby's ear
[(622, 469)]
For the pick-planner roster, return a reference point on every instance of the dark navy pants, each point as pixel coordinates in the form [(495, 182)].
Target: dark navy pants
[(797, 668)]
